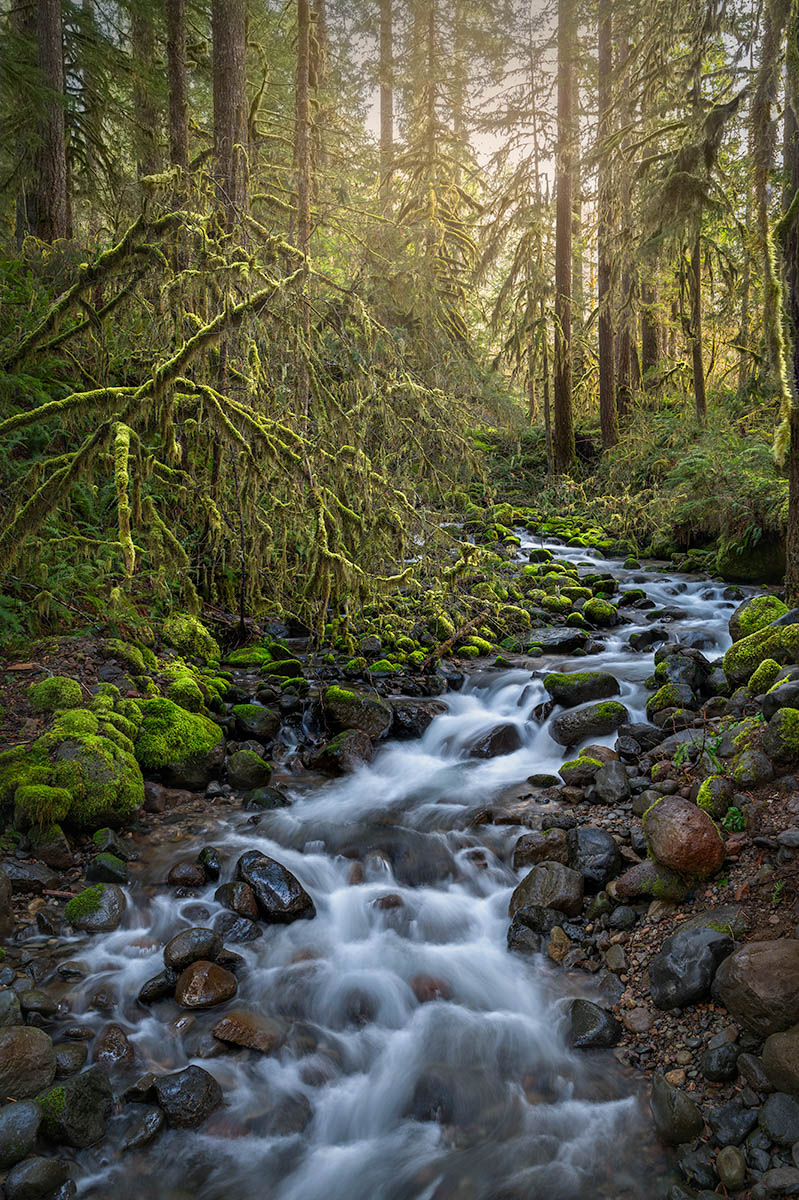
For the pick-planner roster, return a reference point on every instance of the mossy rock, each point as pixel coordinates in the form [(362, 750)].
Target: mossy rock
[(762, 563), (778, 642), (577, 687), (186, 692), (289, 668), (249, 656), (256, 721), (556, 604), (754, 614), (715, 796), (39, 806), (762, 679), (138, 659), (349, 709), (185, 748), (58, 691), (483, 647), (187, 634), (97, 909), (247, 771), (781, 736), (670, 695), (514, 619), (600, 612)]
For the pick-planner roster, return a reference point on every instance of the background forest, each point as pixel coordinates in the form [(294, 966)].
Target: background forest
[(287, 285)]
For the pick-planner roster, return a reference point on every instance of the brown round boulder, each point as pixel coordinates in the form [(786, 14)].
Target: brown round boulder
[(255, 1032), (683, 837), (27, 1062), (204, 985), (759, 985)]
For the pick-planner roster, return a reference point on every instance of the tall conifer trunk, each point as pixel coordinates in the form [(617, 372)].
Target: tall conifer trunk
[(608, 413), (563, 425), (145, 112), (178, 83), (386, 103), (49, 214), (229, 35)]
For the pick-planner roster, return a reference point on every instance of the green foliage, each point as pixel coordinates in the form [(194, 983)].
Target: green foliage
[(734, 820)]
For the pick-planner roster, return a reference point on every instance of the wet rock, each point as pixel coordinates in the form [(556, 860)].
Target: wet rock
[(612, 783), (279, 894), (76, 1112), (112, 1047), (729, 918), (550, 885), (594, 854), (553, 640), (246, 770), (615, 959), (36, 1179), (108, 841), (208, 859), (346, 708), (534, 848), (239, 898), (719, 1064), (427, 988), (759, 985), (595, 720), (37, 1001), (233, 928), (70, 1057), (622, 917), (559, 944), (146, 1122), (779, 1181), (157, 988), (54, 850), (731, 1167), (779, 1118), (523, 940), (27, 1062), (677, 1119), (250, 1030), (413, 717), (188, 1097), (204, 985), (592, 1027), (98, 909), (580, 771), (731, 1123), (781, 1060), (683, 838), (683, 971), (10, 1011), (28, 878), (502, 739), (186, 875), (19, 1126), (345, 753), (189, 946), (783, 695), (107, 868), (648, 878), (578, 687), (751, 1069), (256, 721), (696, 1166), (266, 798)]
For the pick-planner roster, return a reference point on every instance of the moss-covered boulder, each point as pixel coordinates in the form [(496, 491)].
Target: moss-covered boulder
[(186, 691), (600, 612), (781, 736), (763, 563), (755, 613), (58, 691), (256, 721), (75, 759), (670, 695), (187, 634), (184, 749), (779, 642), (580, 771), (96, 909), (577, 687), (344, 753), (595, 720), (763, 677), (349, 709), (715, 796), (246, 771)]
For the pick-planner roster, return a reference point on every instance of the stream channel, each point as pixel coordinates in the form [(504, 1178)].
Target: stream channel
[(473, 1095)]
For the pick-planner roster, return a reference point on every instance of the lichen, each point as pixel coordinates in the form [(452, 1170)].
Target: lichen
[(58, 691)]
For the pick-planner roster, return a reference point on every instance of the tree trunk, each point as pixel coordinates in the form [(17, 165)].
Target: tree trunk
[(625, 338), (650, 325), (563, 432), (791, 261), (145, 112), (303, 159), (578, 285), (608, 413), (229, 35), (178, 83), (696, 330), (386, 104), (49, 215)]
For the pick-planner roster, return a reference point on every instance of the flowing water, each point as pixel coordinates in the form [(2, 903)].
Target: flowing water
[(376, 1096)]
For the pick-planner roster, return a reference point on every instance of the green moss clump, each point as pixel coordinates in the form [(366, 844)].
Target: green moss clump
[(482, 646), (514, 619), (249, 656), (417, 659), (781, 735), (665, 697), (289, 667), (339, 695), (39, 805), (405, 644), (763, 677), (84, 904), (52, 1105), (468, 652), (186, 692), (556, 604), (441, 626), (383, 666), (131, 656), (356, 664), (187, 634), (759, 612), (77, 722), (169, 734), (47, 695), (778, 642), (600, 612)]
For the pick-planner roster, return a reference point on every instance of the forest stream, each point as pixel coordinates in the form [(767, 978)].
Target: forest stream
[(418, 1057)]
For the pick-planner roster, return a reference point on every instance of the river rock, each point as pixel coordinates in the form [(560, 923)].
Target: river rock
[(189, 946), (76, 1112), (19, 1126), (550, 885), (204, 985), (731, 1166), (759, 985), (157, 988), (346, 708), (70, 1057), (247, 770), (683, 838), (592, 1027), (36, 1179), (280, 895), (595, 720), (781, 1060), (648, 878), (534, 848), (256, 721), (112, 1047), (239, 898), (6, 910), (502, 739), (344, 753), (250, 1030), (27, 1062), (413, 717), (719, 1064), (28, 878), (146, 1122), (571, 689), (782, 695), (780, 740), (594, 854), (677, 1119), (731, 1123), (98, 909), (779, 1118), (779, 1181), (10, 1011), (233, 928), (188, 1097), (683, 971), (612, 783), (556, 640), (186, 875), (266, 798)]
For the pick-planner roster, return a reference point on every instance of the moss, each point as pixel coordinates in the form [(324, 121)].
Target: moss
[(77, 722), (576, 593), (170, 734), (514, 619), (582, 760), (289, 667), (249, 656), (666, 696), (187, 634), (119, 721), (759, 612), (577, 620), (52, 1105), (339, 695), (39, 805), (600, 612), (356, 664), (441, 626), (84, 904), (763, 677), (781, 736), (296, 687), (186, 692), (483, 647), (406, 644), (383, 666), (611, 709), (556, 604), (131, 656), (115, 735), (417, 659), (468, 652), (47, 695), (778, 642)]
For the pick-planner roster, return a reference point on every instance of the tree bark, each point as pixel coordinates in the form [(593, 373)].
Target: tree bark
[(145, 112), (386, 104), (608, 413), (49, 215), (695, 287), (791, 261), (625, 337), (178, 83), (303, 159), (229, 35), (650, 325), (563, 424)]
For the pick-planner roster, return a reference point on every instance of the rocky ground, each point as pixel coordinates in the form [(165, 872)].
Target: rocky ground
[(660, 873)]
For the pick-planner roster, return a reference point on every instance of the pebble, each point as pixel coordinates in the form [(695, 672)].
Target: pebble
[(731, 1166)]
